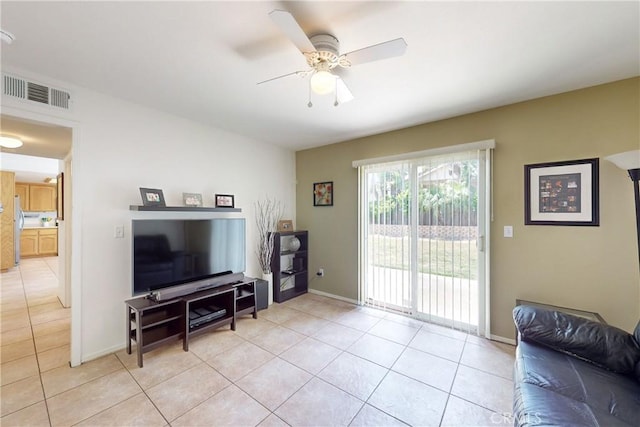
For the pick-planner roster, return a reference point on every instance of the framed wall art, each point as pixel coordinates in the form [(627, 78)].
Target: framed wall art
[(60, 193), (152, 197), (192, 199), (323, 193), (224, 201), (562, 193)]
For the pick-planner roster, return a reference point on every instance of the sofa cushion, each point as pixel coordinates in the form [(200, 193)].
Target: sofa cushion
[(605, 393), (603, 345)]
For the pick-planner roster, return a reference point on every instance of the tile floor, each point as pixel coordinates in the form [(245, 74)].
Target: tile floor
[(311, 361)]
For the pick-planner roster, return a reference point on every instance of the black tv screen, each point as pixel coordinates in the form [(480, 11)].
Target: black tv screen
[(169, 252)]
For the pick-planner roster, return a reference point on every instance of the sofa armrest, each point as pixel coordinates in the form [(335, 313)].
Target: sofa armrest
[(597, 343)]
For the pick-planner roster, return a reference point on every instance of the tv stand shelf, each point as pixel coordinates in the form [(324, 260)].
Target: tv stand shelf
[(151, 324)]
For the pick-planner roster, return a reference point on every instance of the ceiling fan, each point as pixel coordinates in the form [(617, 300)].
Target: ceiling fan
[(322, 52)]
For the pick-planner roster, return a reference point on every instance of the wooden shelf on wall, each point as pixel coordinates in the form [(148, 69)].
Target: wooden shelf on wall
[(181, 209)]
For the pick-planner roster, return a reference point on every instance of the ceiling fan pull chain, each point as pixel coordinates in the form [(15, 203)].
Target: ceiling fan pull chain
[(335, 104), (310, 104)]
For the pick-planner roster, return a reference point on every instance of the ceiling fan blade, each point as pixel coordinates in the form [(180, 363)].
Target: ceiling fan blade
[(299, 73), (376, 52), (292, 29), (343, 94)]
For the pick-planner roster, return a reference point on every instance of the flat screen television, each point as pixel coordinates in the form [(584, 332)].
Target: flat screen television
[(171, 252)]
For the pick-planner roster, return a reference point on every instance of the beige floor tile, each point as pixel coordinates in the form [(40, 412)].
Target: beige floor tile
[(185, 391), (432, 370), (311, 355), (329, 311), (48, 316), (358, 320), (494, 360), (273, 421), (16, 335), (319, 404), (36, 300), (52, 340), (442, 330), (91, 398), (438, 345), (277, 313), (305, 324), (63, 378), (222, 410), (274, 382), (215, 342), (20, 394), (135, 411), (14, 319), (409, 400), (338, 336), (354, 375), (481, 341), (404, 320), (19, 369), (461, 413), (54, 358), (377, 350), (17, 350), (370, 416), (35, 415), (471, 384), (44, 308), (248, 327), (159, 365), (277, 340), (51, 327), (392, 331), (237, 362)]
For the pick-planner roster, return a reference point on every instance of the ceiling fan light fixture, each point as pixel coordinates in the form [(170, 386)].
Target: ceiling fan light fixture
[(9, 142), (323, 82)]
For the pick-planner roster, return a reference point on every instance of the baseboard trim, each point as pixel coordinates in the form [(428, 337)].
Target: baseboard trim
[(111, 350), (503, 339), (328, 295)]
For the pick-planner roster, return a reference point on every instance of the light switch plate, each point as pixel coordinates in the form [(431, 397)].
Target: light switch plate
[(119, 232), (508, 231)]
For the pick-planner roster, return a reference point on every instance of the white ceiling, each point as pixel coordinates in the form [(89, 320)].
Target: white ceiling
[(202, 60)]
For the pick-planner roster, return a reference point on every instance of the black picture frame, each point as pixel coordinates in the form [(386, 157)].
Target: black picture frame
[(224, 201), (323, 193), (152, 197), (562, 193)]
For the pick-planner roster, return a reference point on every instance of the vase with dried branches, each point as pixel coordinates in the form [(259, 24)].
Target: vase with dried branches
[(268, 213)]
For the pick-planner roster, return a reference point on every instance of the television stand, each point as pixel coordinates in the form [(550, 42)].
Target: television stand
[(151, 324)]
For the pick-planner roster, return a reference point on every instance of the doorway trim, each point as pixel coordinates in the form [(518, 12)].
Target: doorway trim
[(72, 239)]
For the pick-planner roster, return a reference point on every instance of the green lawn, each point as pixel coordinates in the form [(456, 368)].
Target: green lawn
[(441, 257)]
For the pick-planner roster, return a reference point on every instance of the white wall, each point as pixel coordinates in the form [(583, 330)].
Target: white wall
[(117, 148)]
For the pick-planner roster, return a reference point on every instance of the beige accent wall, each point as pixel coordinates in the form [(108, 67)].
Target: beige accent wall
[(592, 268)]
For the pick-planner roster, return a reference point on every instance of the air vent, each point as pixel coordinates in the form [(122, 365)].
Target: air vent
[(35, 92)]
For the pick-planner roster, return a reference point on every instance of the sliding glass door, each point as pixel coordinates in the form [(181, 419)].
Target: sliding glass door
[(422, 246)]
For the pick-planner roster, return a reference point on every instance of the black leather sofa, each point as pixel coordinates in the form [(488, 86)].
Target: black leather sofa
[(571, 371)]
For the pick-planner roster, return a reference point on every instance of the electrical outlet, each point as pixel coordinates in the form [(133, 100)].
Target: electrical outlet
[(320, 272), (119, 232)]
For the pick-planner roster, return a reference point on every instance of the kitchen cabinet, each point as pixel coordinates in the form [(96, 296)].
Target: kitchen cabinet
[(48, 242), (38, 242), (7, 225), (29, 243), (37, 197)]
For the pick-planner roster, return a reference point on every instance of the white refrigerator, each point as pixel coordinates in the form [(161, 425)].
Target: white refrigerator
[(18, 221)]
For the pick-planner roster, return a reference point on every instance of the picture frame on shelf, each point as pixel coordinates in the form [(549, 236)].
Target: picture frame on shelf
[(285, 225), (192, 199), (152, 197), (60, 196), (562, 193), (224, 200), (323, 193)]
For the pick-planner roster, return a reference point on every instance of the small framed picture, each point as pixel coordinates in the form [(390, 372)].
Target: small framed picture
[(152, 197), (285, 225), (323, 193), (60, 199), (562, 193), (192, 199), (224, 201)]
